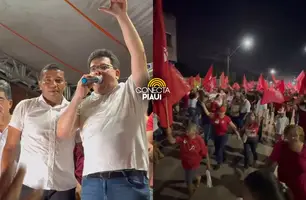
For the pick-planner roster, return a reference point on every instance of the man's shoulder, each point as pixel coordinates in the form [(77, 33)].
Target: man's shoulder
[(27, 102)]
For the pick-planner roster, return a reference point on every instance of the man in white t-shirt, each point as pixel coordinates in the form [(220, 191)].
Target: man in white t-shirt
[(48, 160), (5, 116), (112, 122)]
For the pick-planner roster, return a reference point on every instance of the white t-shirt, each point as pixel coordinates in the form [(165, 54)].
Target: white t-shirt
[(155, 122), (245, 107), (48, 160), (113, 130), (192, 103), (260, 108), (281, 123)]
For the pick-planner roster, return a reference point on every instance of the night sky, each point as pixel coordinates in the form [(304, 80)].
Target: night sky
[(206, 29)]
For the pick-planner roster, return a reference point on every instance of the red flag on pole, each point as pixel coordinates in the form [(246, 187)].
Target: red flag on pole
[(303, 86), (163, 108), (222, 81), (209, 75), (272, 95), (299, 80), (236, 86)]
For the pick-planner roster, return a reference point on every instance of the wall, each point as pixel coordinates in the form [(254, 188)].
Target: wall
[(170, 25), (19, 93)]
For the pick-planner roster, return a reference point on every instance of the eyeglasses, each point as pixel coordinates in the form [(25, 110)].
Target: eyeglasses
[(102, 67)]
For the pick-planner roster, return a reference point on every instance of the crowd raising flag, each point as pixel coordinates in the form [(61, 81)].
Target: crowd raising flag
[(162, 69)]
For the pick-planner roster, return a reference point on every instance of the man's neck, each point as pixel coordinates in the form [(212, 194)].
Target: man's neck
[(4, 121), (108, 89), (53, 102)]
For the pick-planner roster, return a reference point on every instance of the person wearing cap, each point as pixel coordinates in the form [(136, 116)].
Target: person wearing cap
[(281, 121), (220, 122)]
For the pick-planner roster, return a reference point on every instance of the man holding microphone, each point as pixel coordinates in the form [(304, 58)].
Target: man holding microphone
[(111, 120)]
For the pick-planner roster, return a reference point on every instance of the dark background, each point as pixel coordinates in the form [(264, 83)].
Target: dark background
[(206, 29)]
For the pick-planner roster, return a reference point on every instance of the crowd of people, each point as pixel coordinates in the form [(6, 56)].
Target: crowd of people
[(217, 114), (96, 144)]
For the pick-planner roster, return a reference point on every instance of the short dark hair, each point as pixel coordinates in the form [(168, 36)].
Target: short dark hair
[(5, 87), (100, 53), (49, 67), (264, 185)]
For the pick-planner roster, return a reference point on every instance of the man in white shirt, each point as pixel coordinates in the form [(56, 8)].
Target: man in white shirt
[(5, 116), (48, 160), (112, 122), (245, 108)]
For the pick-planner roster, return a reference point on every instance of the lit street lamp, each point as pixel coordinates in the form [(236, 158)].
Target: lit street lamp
[(272, 71), (247, 43)]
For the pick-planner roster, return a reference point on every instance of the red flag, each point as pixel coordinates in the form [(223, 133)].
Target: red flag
[(299, 80), (261, 84), (303, 86), (245, 83), (236, 86), (208, 75), (274, 79), (272, 95), (198, 79), (226, 81), (191, 82), (222, 81), (177, 85), (280, 85), (174, 81)]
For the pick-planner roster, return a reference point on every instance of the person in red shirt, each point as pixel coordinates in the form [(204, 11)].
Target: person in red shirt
[(192, 151), (250, 138), (220, 122), (290, 156)]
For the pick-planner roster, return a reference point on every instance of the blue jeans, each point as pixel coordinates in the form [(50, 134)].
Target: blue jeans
[(122, 188), (207, 132), (220, 143), (151, 193)]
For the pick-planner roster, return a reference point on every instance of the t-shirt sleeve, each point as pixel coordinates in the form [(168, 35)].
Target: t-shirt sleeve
[(228, 120), (19, 113), (150, 123), (276, 152), (204, 149), (137, 97)]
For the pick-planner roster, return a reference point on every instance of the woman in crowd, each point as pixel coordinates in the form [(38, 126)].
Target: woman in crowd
[(235, 109), (204, 121), (250, 138), (290, 156), (192, 151), (221, 122), (192, 103)]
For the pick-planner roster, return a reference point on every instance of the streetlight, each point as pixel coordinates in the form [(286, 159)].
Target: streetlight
[(246, 43), (272, 71)]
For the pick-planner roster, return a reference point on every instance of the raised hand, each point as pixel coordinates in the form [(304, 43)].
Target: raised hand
[(116, 8), (11, 190)]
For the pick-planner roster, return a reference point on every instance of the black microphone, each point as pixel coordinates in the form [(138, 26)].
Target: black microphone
[(90, 80)]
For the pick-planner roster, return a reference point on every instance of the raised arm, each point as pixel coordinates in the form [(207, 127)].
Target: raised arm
[(69, 122), (118, 8), (209, 114)]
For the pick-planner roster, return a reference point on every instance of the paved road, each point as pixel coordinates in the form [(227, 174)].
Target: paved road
[(169, 175)]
